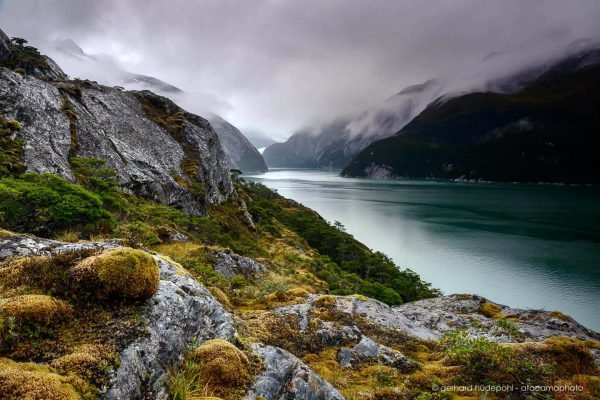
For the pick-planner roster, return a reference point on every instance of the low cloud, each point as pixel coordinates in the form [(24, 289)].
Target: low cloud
[(275, 66)]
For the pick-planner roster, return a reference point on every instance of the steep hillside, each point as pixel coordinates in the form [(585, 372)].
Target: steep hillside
[(241, 154), (159, 150), (112, 286), (333, 145), (545, 132)]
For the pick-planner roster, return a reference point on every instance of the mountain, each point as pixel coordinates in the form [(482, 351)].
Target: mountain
[(159, 150), (334, 144), (241, 154), (545, 132), (124, 292), (105, 69)]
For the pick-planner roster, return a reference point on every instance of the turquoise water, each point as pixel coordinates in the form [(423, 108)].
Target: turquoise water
[(528, 246)]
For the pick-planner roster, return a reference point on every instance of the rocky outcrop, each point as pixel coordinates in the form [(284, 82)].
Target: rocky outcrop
[(287, 377), (229, 264), (158, 150), (13, 245), (362, 327), (432, 318), (241, 154), (180, 312)]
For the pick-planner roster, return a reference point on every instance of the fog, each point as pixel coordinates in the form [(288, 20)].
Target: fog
[(273, 67)]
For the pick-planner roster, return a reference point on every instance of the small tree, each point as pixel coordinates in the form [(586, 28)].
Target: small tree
[(18, 41)]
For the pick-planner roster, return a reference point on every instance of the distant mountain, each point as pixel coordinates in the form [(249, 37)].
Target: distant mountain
[(548, 131), (241, 154), (334, 144), (67, 52)]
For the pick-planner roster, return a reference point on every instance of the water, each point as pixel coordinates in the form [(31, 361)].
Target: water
[(529, 246)]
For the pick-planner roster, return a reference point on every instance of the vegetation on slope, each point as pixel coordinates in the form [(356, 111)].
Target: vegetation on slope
[(546, 132), (303, 254), (24, 59)]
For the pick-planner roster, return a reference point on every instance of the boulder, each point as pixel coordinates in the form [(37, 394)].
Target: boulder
[(287, 377)]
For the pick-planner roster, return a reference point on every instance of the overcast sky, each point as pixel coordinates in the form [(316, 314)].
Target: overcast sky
[(275, 66)]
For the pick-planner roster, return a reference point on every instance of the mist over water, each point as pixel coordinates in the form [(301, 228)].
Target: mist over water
[(527, 246)]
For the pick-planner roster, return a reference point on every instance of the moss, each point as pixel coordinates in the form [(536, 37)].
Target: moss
[(122, 273), (26, 381), (35, 309), (11, 148), (220, 296), (490, 310), (69, 111), (223, 367), (88, 361), (5, 234)]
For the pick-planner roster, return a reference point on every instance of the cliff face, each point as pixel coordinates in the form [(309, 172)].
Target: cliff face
[(159, 150), (241, 154)]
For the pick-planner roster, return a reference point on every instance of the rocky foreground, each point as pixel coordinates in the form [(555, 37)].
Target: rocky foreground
[(359, 330)]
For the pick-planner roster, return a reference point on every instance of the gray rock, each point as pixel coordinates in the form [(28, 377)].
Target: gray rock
[(5, 52), (369, 350), (181, 311), (28, 245), (241, 154), (432, 318), (229, 264), (112, 125), (287, 377)]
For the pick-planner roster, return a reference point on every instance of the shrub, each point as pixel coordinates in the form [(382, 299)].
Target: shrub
[(121, 273), (33, 309), (485, 361), (137, 234), (27, 381), (48, 202), (222, 364), (11, 148)]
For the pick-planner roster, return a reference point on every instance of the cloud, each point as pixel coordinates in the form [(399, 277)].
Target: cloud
[(276, 65)]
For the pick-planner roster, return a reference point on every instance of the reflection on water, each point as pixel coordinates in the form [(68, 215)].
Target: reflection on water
[(528, 246)]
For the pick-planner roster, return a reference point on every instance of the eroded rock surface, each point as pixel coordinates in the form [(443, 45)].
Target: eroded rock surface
[(287, 377), (182, 310), (60, 119), (229, 264), (432, 318)]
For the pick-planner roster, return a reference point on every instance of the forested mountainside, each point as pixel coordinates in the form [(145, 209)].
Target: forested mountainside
[(544, 132), (334, 144), (135, 265)]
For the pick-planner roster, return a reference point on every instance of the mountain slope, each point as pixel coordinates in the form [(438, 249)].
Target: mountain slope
[(159, 150), (547, 131), (241, 154), (334, 144)]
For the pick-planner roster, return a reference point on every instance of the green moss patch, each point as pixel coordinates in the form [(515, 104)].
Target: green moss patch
[(120, 273), (26, 381)]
